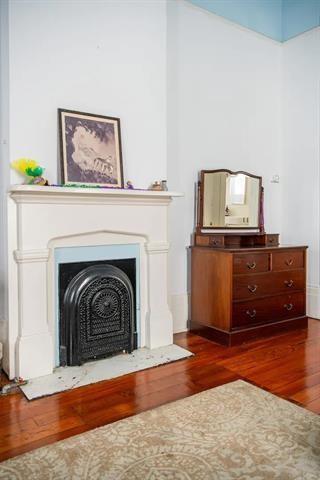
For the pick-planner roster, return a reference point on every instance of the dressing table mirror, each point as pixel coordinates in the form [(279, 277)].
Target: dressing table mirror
[(243, 283), (230, 200), (230, 210)]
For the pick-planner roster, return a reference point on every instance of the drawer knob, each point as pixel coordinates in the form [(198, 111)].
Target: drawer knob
[(288, 306), (252, 288), (289, 283), (251, 265), (251, 314), (289, 262)]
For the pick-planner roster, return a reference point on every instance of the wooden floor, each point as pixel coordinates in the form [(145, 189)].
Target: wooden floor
[(287, 365)]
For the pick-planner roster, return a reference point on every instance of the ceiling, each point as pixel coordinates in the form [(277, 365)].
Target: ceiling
[(277, 19)]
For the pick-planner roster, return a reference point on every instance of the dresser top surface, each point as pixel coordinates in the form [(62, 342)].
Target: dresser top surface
[(257, 248)]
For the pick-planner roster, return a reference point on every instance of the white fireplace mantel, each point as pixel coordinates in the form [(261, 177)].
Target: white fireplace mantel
[(73, 195), (44, 218)]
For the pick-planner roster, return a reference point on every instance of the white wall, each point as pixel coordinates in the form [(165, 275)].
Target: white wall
[(300, 172), (193, 91), (223, 112), (105, 57)]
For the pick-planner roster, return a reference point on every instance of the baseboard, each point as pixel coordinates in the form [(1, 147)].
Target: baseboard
[(179, 306), (313, 301)]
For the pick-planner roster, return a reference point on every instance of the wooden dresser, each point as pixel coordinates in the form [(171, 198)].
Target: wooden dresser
[(241, 293)]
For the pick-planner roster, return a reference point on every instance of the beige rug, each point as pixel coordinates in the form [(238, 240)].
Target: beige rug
[(235, 431)]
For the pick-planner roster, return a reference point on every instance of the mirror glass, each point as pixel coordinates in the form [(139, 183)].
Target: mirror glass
[(230, 200)]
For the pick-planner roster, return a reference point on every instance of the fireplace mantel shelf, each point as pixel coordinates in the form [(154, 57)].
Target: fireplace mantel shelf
[(39, 194)]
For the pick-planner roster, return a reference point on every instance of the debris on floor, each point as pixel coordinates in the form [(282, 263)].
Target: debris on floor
[(12, 386)]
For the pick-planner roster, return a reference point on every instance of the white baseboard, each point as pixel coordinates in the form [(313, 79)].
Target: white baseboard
[(313, 301), (179, 306)]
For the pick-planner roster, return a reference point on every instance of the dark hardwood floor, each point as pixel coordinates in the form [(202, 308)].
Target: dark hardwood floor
[(287, 365)]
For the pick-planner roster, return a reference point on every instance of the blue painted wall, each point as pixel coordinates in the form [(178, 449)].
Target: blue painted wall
[(277, 19)]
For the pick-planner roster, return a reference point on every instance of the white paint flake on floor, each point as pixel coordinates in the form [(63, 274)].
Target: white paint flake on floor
[(65, 378)]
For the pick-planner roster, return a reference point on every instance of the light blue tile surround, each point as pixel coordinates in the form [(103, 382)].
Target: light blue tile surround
[(277, 19), (91, 254)]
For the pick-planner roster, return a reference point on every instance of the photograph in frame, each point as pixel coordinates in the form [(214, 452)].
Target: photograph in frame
[(90, 149)]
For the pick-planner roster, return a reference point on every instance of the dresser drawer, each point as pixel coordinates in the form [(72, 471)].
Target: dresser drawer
[(287, 260), (246, 263), (216, 241), (268, 310), (271, 283)]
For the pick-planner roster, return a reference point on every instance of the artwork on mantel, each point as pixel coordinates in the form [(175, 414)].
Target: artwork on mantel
[(90, 148)]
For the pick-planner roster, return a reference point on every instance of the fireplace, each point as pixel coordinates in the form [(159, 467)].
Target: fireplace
[(96, 310), (47, 220)]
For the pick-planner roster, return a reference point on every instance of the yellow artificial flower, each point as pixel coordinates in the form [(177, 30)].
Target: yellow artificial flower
[(22, 164)]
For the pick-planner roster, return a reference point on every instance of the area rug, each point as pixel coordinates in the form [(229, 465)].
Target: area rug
[(66, 378), (236, 431)]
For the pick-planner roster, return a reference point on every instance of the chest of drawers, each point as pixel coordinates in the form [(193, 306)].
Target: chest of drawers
[(242, 293)]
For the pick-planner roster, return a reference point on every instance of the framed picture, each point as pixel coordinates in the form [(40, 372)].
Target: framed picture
[(90, 149)]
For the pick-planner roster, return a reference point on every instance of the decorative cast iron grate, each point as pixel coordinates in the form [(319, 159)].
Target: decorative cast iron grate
[(96, 315)]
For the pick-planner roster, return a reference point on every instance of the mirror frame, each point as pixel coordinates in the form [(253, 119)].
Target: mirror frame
[(200, 206)]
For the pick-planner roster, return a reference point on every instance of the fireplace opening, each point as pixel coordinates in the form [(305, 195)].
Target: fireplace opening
[(97, 303)]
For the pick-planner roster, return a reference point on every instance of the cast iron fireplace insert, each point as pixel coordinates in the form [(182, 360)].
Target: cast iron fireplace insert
[(96, 309)]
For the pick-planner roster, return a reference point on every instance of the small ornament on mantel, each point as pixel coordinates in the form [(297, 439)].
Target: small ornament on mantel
[(164, 185), (129, 185), (31, 170), (159, 186)]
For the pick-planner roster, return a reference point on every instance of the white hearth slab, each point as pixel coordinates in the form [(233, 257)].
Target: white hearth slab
[(66, 378)]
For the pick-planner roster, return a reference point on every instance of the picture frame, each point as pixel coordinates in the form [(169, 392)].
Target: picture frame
[(90, 149)]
